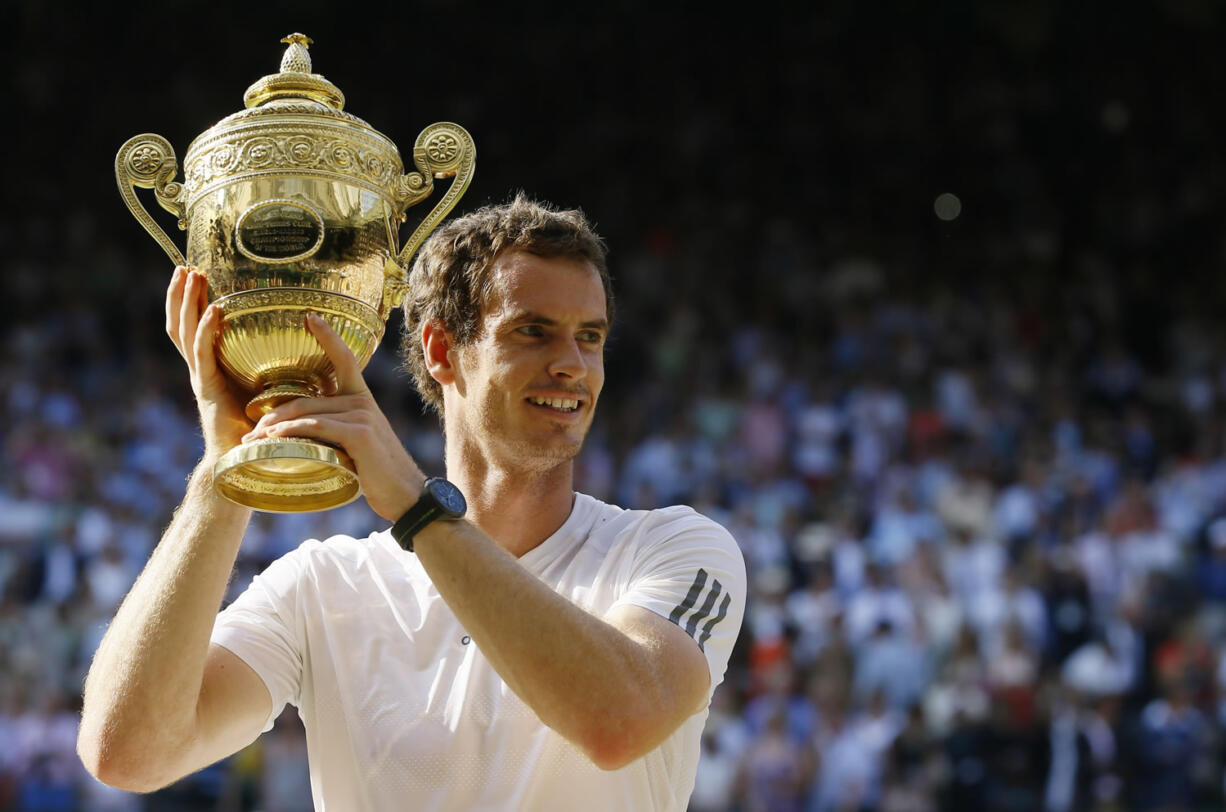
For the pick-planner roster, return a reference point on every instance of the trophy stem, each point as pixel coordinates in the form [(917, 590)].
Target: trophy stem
[(279, 393)]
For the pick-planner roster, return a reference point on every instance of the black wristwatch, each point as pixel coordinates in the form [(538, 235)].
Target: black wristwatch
[(439, 500)]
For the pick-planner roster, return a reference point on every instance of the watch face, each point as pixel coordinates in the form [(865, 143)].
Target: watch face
[(448, 497)]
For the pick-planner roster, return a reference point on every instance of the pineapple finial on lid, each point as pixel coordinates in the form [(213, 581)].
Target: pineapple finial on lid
[(296, 58), (297, 80)]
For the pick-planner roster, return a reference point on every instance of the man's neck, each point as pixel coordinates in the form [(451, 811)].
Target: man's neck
[(517, 508)]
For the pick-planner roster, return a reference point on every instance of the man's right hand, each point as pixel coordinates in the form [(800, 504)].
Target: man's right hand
[(193, 325)]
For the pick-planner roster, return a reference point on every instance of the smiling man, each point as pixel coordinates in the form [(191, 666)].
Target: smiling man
[(507, 643)]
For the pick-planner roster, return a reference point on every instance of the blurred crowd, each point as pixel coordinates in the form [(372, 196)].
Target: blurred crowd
[(974, 453)]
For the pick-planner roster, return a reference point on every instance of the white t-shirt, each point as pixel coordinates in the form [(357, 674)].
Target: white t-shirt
[(401, 709)]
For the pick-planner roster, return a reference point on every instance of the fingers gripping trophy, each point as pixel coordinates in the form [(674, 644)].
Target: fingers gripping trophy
[(293, 206)]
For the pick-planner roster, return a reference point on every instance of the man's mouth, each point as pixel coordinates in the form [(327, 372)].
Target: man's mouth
[(560, 404)]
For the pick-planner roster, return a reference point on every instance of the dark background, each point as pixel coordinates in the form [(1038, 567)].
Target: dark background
[(1094, 126)]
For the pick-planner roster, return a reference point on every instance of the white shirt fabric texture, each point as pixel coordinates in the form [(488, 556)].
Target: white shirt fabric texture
[(403, 712)]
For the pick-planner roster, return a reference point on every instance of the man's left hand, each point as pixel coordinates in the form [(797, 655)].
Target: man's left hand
[(352, 420)]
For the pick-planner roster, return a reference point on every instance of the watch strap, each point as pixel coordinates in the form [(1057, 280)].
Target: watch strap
[(424, 511), (414, 520)]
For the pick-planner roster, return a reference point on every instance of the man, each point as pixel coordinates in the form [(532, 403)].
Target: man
[(544, 651)]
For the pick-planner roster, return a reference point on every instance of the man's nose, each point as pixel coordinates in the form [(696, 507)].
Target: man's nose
[(567, 360)]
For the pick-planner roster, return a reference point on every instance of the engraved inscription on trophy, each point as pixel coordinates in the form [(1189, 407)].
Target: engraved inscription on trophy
[(278, 231)]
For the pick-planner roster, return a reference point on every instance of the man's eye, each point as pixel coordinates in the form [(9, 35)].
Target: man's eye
[(533, 330), (591, 337)]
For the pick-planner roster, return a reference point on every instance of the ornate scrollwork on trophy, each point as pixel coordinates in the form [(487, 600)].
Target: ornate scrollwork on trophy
[(148, 161), (442, 150), (414, 187), (303, 299), (314, 150), (285, 108), (442, 147)]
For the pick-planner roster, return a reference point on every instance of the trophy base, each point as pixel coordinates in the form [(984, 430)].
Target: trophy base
[(286, 475)]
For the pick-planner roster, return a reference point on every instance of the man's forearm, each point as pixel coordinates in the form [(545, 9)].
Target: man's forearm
[(144, 682), (606, 691)]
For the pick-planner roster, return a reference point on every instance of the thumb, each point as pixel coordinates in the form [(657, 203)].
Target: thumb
[(349, 378)]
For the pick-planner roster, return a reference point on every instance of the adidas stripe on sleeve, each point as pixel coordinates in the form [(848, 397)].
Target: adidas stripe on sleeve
[(690, 570)]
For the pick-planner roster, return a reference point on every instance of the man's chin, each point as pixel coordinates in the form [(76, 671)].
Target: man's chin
[(549, 452)]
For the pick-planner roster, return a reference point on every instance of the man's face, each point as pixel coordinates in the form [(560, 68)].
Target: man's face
[(525, 390)]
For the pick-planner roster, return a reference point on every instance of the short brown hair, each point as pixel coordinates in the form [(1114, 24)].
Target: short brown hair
[(451, 276)]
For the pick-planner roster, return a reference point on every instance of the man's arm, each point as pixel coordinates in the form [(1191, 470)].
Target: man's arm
[(615, 686), (160, 702)]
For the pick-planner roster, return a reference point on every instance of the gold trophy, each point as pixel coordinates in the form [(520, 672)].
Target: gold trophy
[(290, 206)]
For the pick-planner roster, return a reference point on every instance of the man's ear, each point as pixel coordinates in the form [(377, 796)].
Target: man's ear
[(436, 344)]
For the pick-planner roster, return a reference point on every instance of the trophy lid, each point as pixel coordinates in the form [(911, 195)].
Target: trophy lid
[(295, 81), (293, 124)]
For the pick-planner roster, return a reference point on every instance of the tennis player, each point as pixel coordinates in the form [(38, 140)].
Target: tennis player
[(505, 642)]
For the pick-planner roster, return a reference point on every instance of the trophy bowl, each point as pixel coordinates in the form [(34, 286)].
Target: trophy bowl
[(293, 206)]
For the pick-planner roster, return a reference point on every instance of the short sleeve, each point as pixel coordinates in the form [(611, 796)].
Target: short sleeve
[(690, 570), (260, 628)]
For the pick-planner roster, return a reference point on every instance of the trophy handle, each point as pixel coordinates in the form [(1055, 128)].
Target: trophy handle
[(442, 150), (148, 161)]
